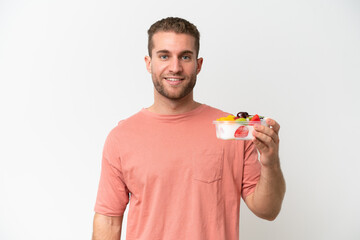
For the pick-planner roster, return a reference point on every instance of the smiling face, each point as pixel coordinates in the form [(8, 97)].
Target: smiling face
[(173, 64)]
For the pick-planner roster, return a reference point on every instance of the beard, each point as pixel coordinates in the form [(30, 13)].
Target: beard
[(182, 90)]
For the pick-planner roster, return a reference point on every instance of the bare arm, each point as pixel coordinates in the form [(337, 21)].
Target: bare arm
[(266, 200), (107, 228)]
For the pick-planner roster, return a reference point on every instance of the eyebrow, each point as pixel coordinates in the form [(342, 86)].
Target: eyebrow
[(183, 52)]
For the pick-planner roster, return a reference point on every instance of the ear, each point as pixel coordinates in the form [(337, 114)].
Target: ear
[(148, 63), (199, 65)]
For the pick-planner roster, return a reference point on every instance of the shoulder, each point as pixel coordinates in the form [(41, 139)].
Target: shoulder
[(214, 112), (125, 125)]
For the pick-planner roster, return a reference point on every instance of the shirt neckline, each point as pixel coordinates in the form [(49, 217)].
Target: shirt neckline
[(172, 117)]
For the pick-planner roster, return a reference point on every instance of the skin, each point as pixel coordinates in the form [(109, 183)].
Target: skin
[(266, 200), (107, 227), (174, 57)]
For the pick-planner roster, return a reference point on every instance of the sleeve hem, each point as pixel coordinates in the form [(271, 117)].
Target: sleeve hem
[(252, 190), (107, 212)]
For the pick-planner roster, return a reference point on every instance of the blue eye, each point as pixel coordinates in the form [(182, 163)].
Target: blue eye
[(163, 57), (186, 57)]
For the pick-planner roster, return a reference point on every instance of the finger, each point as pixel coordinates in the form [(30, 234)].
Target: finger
[(267, 131), (265, 139), (273, 124), (259, 145)]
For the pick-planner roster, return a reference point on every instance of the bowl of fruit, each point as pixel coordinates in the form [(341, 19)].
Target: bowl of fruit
[(239, 127)]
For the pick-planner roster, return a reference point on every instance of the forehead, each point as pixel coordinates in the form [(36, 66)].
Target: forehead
[(173, 42)]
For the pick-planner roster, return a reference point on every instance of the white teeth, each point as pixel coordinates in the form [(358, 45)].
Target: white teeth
[(173, 79)]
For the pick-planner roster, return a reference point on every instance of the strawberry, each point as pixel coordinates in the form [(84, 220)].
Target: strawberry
[(255, 118), (241, 132)]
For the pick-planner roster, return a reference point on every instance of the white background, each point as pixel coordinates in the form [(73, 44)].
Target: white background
[(71, 69)]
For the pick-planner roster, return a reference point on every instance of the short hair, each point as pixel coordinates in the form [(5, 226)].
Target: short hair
[(173, 24)]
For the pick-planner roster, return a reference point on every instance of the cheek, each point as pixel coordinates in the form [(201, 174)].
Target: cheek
[(192, 69), (159, 68)]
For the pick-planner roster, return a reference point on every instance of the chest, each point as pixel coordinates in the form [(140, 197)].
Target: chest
[(172, 155)]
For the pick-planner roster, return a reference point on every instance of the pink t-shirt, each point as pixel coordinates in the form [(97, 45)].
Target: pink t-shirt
[(183, 182)]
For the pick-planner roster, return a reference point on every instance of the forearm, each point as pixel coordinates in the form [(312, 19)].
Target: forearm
[(269, 193), (106, 228)]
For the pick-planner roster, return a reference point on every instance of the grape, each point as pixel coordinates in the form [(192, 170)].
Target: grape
[(242, 114)]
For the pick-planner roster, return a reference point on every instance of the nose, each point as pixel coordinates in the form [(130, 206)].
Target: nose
[(175, 65)]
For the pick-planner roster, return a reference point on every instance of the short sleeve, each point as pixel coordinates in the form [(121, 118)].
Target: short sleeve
[(251, 169), (113, 195)]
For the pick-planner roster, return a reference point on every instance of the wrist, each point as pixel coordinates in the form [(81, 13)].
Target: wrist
[(273, 168), (273, 164)]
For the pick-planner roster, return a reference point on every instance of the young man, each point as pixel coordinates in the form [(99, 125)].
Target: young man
[(184, 182)]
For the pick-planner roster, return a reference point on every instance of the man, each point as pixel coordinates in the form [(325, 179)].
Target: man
[(184, 182)]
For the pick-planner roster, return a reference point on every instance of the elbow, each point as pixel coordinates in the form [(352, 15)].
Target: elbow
[(265, 207), (269, 215)]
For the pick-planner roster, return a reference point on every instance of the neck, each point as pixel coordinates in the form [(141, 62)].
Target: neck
[(163, 105)]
